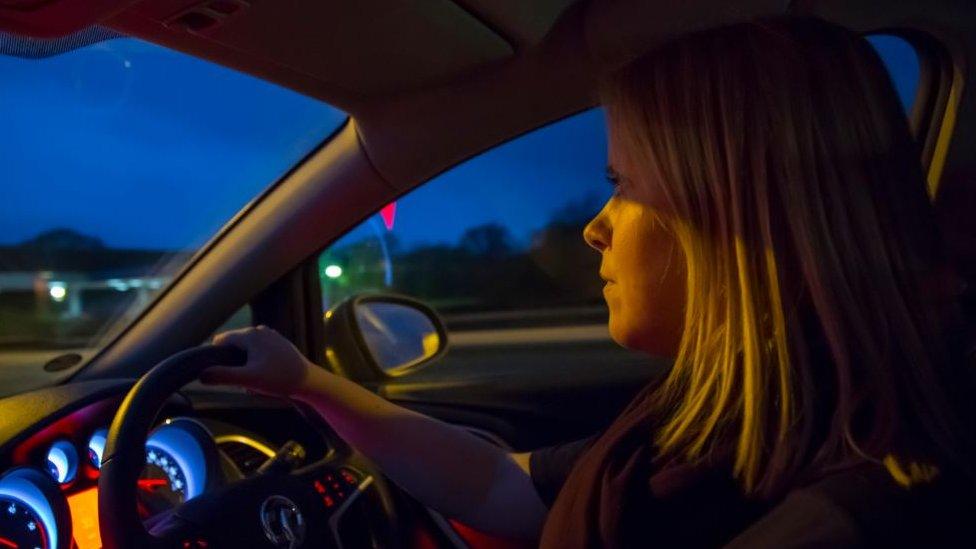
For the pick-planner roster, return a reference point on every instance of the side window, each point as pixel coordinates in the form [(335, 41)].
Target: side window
[(495, 242), (901, 60), (240, 319)]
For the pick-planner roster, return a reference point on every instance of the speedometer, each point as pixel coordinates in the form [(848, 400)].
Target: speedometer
[(162, 482), (181, 462)]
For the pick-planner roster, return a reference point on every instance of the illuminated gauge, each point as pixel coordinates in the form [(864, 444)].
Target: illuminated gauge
[(180, 462), (62, 461), (20, 525), (163, 480), (96, 446), (33, 512)]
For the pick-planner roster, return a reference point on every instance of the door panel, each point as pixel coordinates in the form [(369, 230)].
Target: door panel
[(530, 395)]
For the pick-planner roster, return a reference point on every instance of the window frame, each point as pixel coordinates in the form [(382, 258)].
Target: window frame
[(302, 318), (933, 111)]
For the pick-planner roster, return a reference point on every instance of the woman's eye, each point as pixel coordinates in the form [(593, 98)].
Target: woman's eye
[(614, 179), (619, 183)]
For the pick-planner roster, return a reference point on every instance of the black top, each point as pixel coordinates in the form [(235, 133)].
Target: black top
[(550, 466), (858, 507)]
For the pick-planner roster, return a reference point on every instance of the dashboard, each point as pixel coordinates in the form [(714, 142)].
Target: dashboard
[(49, 469), (202, 445)]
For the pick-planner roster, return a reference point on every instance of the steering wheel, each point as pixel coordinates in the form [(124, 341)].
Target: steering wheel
[(275, 509)]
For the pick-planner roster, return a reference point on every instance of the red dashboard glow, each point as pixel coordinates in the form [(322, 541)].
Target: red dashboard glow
[(84, 518)]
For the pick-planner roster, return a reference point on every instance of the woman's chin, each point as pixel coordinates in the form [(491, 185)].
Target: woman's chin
[(655, 344), (620, 335)]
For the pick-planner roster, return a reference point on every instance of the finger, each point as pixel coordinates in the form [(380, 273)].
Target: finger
[(237, 338), (258, 392), (238, 331)]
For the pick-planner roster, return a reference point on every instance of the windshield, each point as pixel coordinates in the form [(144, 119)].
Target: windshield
[(122, 158)]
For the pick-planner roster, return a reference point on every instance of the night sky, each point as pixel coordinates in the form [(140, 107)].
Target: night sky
[(140, 146), (147, 148)]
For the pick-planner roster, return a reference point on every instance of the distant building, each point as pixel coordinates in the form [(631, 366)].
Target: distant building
[(64, 274)]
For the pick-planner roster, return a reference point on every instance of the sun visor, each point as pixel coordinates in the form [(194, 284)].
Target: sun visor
[(368, 47), (525, 22)]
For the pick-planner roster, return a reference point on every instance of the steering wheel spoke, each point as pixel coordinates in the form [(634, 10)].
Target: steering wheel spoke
[(273, 510), (171, 531)]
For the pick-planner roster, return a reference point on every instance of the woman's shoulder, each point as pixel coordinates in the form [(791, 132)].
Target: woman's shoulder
[(864, 507)]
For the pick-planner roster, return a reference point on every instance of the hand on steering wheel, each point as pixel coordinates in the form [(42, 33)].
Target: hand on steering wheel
[(273, 366)]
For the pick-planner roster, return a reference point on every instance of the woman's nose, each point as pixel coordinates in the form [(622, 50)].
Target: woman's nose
[(597, 232)]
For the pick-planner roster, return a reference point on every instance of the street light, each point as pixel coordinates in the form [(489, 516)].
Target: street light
[(333, 271), (57, 290)]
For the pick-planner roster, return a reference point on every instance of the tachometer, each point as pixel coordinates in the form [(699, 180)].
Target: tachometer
[(33, 512), (20, 526)]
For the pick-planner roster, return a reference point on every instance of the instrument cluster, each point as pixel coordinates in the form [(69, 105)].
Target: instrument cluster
[(51, 498)]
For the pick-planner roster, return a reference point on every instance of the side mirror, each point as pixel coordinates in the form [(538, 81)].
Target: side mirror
[(372, 337)]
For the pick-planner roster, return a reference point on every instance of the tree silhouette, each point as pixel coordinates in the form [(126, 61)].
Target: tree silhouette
[(63, 239), (485, 270), (490, 241)]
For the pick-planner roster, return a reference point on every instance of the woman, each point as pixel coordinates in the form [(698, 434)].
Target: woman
[(770, 230)]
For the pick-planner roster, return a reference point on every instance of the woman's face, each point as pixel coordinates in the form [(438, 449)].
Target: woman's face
[(644, 272)]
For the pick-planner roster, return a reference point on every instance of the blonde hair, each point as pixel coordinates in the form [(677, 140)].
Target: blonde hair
[(780, 157)]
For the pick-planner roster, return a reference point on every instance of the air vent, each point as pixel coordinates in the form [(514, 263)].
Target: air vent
[(205, 17), (62, 362)]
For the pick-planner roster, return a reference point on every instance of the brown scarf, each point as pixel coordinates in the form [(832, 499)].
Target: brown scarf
[(618, 495)]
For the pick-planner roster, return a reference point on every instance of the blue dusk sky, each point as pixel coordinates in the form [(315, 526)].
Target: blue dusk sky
[(147, 148)]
